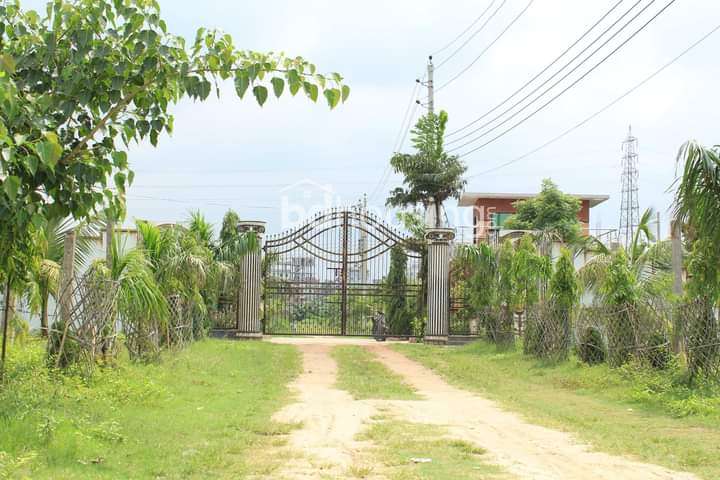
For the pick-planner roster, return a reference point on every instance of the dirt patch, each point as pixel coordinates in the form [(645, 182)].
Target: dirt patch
[(330, 419), (523, 449)]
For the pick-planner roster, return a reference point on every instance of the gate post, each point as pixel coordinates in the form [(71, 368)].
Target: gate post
[(438, 284), (249, 321)]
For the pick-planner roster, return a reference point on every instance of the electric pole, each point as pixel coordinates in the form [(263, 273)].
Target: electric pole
[(430, 85)]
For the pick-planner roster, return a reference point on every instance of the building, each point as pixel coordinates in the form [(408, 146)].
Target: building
[(491, 210)]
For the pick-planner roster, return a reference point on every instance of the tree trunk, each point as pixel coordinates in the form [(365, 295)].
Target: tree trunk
[(6, 319), (44, 314)]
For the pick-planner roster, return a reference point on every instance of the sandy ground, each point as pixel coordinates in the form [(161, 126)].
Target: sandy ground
[(331, 420)]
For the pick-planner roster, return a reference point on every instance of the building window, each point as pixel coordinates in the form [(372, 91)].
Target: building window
[(497, 219)]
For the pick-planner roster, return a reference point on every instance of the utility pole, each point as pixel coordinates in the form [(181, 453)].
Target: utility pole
[(431, 85)]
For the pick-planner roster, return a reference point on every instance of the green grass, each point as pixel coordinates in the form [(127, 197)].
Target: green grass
[(364, 377), (622, 411), (397, 443), (198, 413)]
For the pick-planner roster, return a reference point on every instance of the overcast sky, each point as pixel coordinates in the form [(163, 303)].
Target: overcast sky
[(231, 153)]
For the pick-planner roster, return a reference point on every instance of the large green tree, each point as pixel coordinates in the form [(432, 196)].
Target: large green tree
[(550, 211), (430, 174), (82, 80)]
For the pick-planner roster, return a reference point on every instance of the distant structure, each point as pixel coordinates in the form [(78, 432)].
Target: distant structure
[(629, 204)]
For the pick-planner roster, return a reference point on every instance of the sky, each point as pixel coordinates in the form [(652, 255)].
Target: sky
[(291, 157)]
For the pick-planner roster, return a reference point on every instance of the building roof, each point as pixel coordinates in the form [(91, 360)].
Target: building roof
[(468, 199)]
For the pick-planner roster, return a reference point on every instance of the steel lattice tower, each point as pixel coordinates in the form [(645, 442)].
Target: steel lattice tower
[(629, 204)]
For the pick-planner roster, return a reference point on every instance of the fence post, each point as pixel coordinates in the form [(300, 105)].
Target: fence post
[(109, 235), (67, 276), (677, 288), (438, 284), (249, 324)]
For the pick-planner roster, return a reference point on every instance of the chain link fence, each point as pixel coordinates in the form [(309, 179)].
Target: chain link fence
[(651, 334)]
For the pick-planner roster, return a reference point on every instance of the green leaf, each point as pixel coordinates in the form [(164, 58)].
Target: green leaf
[(333, 96), (278, 85), (311, 90), (119, 179), (11, 185), (345, 93), (32, 163), (7, 64), (49, 152), (120, 159), (38, 221), (242, 82), (261, 94)]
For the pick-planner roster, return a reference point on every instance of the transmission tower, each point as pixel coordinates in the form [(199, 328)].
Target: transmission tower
[(629, 205)]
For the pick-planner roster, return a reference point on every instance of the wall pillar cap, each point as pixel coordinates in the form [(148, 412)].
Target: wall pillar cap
[(440, 235), (257, 226)]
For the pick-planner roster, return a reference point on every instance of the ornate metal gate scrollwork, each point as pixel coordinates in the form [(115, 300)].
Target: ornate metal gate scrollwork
[(329, 276)]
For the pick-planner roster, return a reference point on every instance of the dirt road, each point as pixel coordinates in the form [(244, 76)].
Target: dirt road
[(331, 420)]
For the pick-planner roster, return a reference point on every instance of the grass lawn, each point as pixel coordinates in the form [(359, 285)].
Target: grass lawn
[(196, 414), (622, 411), (400, 447), (364, 377)]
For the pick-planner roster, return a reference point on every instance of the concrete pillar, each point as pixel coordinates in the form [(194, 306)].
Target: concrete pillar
[(438, 284), (249, 318)]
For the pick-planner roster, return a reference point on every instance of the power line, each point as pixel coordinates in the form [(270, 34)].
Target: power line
[(459, 74), (540, 73), (566, 75), (400, 138), (466, 30), (543, 106), (475, 33), (602, 110)]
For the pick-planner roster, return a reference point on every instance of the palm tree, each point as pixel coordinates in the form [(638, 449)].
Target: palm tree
[(43, 278), (647, 262), (141, 304), (697, 204)]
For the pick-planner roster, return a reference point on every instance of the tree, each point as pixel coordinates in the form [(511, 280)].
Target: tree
[(551, 210), (647, 259), (413, 222), (697, 205), (43, 276), (398, 317), (529, 269), (431, 174), (81, 82)]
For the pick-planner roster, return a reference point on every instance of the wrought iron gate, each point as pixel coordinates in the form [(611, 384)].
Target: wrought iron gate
[(329, 277)]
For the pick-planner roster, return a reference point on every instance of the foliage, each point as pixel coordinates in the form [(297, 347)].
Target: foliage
[(619, 290), (413, 222), (398, 316), (82, 81), (564, 288), (591, 349), (431, 175), (697, 205), (529, 270), (551, 210)]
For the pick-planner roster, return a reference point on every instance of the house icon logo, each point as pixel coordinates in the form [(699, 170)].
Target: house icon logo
[(303, 199)]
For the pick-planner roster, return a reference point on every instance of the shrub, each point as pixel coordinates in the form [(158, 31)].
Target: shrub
[(658, 354), (591, 348)]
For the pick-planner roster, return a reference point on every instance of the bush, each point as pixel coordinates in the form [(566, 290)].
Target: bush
[(591, 348), (658, 354), (71, 351), (418, 326)]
